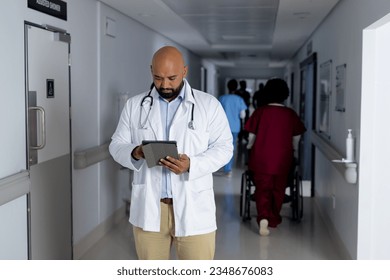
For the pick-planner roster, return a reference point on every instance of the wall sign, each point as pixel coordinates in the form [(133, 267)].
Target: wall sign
[(324, 99), (49, 88), (56, 8), (340, 87)]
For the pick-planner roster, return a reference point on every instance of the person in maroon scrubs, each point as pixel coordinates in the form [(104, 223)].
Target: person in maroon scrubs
[(272, 128)]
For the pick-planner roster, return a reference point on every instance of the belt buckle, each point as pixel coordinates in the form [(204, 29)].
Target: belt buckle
[(166, 200)]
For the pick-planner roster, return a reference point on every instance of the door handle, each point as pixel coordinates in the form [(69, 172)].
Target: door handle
[(42, 127)]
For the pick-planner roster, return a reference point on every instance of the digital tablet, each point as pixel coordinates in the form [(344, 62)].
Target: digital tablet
[(156, 150)]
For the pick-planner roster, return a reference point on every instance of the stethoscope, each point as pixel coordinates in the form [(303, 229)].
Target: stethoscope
[(149, 98)]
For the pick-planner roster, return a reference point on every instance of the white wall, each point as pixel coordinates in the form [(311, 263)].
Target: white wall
[(339, 39), (12, 142), (12, 124), (13, 233), (212, 72), (82, 22), (375, 138)]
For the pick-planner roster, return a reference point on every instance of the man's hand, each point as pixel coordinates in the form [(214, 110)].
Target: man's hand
[(177, 166), (138, 153)]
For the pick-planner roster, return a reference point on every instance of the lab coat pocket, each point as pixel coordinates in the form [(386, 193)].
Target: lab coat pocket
[(204, 207), (202, 192), (197, 141)]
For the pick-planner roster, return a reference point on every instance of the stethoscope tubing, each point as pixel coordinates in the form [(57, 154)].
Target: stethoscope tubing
[(149, 96)]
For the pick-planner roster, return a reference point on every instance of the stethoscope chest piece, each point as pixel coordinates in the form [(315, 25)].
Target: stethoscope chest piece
[(191, 125)]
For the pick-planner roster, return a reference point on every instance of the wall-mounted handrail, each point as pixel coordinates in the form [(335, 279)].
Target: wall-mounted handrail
[(14, 186), (329, 152), (347, 169), (88, 157)]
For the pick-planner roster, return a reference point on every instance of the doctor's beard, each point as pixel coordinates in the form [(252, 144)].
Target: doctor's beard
[(170, 93)]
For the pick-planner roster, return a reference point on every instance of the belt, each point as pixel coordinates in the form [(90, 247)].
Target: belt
[(167, 200)]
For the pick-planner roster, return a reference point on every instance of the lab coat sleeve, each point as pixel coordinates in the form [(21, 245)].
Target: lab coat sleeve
[(121, 144), (220, 145)]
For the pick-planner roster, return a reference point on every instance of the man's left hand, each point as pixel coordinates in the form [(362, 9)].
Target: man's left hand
[(177, 166)]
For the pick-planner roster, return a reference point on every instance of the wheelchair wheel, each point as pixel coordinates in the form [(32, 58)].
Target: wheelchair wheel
[(297, 198), (242, 194), (245, 197)]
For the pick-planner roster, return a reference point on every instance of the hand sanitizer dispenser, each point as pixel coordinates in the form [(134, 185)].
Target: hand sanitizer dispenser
[(350, 147), (350, 171)]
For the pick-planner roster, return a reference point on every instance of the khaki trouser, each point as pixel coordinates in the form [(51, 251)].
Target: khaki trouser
[(157, 245)]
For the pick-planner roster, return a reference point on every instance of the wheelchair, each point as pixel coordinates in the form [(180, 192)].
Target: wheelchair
[(294, 187)]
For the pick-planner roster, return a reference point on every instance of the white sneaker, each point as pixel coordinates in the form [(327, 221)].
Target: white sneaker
[(263, 231)]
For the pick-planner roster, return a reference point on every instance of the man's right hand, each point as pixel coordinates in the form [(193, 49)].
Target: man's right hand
[(137, 153)]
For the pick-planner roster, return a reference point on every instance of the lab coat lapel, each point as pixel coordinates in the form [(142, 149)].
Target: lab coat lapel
[(179, 120)]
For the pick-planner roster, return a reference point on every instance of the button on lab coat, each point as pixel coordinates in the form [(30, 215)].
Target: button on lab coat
[(209, 147)]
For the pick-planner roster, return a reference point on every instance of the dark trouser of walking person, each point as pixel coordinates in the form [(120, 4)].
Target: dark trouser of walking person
[(269, 195)]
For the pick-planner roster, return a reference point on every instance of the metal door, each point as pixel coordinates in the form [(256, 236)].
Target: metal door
[(307, 112), (48, 107)]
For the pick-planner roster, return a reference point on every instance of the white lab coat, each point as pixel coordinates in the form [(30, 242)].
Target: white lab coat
[(209, 147)]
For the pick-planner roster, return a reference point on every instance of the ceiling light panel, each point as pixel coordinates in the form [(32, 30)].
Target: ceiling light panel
[(223, 21)]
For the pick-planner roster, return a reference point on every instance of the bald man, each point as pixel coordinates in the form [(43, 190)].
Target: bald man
[(173, 203)]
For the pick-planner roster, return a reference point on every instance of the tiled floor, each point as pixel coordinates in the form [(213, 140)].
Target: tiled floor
[(240, 240)]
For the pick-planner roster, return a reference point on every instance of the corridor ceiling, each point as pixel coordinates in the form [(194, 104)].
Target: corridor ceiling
[(232, 33)]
